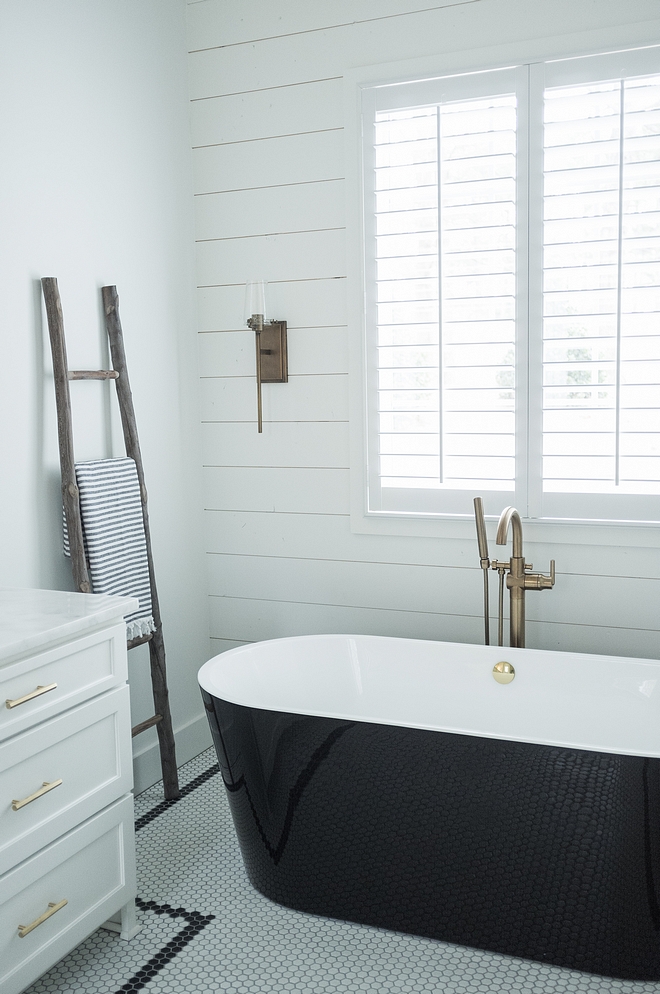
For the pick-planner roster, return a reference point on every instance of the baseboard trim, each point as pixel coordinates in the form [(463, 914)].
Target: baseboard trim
[(191, 739)]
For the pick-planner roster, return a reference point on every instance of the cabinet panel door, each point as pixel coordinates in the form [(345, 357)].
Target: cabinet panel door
[(79, 670), (92, 868), (87, 749)]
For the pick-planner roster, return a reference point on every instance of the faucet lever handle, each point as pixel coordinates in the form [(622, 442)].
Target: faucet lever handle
[(547, 582), (538, 581)]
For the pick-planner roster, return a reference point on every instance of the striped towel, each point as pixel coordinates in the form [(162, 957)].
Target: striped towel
[(113, 531)]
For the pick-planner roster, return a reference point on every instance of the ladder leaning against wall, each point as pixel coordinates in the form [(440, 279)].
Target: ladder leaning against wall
[(70, 497)]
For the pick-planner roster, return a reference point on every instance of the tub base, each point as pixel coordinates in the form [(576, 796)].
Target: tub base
[(546, 853)]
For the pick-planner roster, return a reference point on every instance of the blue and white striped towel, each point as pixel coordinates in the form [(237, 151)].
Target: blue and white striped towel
[(113, 530)]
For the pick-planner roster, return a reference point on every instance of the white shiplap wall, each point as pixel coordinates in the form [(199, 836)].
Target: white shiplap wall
[(267, 132)]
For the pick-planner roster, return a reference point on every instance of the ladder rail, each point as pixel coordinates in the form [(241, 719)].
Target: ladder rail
[(70, 496), (132, 444)]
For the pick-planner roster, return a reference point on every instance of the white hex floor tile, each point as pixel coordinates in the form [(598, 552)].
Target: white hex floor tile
[(206, 930)]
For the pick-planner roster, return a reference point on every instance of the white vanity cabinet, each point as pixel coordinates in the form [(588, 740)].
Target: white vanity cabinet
[(67, 845)]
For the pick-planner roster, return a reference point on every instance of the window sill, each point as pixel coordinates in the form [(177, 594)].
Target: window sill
[(547, 530)]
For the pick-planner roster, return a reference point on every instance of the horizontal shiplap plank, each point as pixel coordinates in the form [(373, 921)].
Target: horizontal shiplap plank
[(231, 353), (390, 586), (597, 600), (589, 562), (286, 110), (609, 641), (308, 158), (235, 24), (256, 620), (224, 22), (318, 536), (410, 587), (303, 398), (313, 303), (268, 489), (323, 444), (304, 255), (305, 207)]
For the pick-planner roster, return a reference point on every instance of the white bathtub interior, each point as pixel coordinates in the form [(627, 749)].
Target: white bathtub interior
[(601, 703)]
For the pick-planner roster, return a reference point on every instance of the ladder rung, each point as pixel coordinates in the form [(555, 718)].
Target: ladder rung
[(144, 725), (93, 374), (139, 641)]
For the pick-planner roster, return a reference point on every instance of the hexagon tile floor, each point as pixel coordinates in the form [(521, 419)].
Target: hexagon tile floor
[(205, 929)]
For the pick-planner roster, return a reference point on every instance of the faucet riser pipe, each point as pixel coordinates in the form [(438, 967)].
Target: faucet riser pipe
[(516, 584), (500, 612), (517, 620)]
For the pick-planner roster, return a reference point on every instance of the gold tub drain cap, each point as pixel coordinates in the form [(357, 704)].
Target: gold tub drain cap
[(503, 672)]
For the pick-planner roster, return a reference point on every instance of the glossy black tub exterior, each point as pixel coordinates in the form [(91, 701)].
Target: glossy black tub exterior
[(547, 853)]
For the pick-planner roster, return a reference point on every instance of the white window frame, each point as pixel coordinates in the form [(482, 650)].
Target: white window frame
[(548, 65)]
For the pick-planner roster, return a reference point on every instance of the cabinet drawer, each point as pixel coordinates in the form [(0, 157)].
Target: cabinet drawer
[(92, 868), (80, 670), (88, 749)]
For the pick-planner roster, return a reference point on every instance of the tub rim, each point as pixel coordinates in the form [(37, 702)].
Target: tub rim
[(347, 714)]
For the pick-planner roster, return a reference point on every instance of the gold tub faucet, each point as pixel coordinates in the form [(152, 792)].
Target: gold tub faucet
[(519, 577)]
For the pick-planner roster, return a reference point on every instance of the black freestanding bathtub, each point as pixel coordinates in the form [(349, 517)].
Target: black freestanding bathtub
[(393, 782)]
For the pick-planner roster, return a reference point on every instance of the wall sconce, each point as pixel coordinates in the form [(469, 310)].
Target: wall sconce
[(270, 340)]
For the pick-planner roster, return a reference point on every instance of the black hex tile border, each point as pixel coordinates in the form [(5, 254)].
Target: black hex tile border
[(163, 806), (196, 922)]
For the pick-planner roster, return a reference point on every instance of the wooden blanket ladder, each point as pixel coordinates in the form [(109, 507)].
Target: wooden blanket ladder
[(119, 373)]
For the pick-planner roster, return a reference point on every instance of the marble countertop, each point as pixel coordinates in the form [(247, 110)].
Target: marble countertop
[(31, 620)]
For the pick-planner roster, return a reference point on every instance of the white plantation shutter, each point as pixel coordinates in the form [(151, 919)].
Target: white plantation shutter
[(562, 417), (443, 178), (601, 327)]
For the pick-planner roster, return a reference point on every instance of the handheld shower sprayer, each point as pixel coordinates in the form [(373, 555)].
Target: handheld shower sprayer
[(482, 540)]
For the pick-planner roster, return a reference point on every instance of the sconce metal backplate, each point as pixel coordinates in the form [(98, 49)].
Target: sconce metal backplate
[(274, 356)]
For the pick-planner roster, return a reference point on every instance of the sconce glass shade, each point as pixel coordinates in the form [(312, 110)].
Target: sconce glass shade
[(255, 299)]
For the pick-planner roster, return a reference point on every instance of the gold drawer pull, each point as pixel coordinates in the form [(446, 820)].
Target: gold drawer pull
[(28, 697), (16, 805), (52, 908)]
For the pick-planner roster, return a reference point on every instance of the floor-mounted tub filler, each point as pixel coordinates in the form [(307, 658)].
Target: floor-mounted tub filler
[(423, 787)]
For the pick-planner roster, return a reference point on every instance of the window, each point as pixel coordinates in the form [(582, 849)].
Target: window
[(512, 289)]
